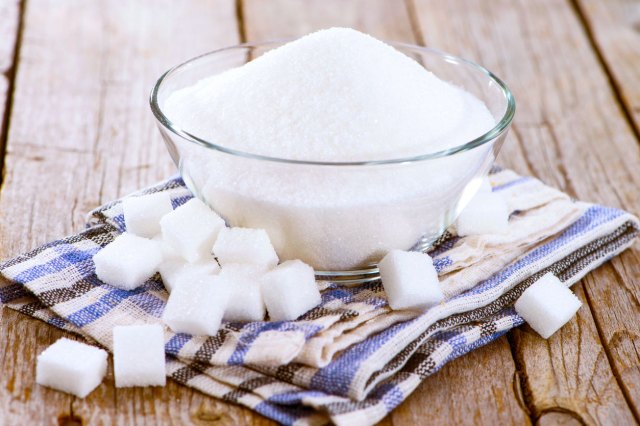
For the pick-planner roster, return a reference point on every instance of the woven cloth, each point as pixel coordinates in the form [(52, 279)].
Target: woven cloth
[(351, 360)]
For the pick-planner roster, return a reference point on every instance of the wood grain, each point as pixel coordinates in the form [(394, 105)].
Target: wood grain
[(386, 20), (474, 389), (614, 27), (615, 290), (22, 338), (295, 18), (569, 374), (571, 132), (9, 24), (81, 133)]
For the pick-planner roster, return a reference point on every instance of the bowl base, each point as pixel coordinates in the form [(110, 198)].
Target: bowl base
[(370, 272)]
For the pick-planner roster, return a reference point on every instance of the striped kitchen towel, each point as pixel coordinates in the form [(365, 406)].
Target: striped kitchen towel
[(351, 360)]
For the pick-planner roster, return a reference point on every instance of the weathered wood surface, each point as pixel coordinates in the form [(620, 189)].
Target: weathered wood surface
[(567, 111), (558, 135), (81, 134), (9, 30), (614, 28), (385, 20)]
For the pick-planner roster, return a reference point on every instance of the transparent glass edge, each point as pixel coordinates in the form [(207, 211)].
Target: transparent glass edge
[(492, 134)]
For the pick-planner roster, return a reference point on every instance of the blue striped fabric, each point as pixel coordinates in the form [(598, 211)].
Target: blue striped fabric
[(351, 360)]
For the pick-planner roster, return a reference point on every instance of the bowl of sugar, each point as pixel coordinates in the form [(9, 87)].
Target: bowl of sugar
[(342, 147)]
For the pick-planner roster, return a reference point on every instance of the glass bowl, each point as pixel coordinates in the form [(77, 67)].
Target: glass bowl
[(339, 217)]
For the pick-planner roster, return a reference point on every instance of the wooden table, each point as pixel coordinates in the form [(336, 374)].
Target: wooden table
[(77, 132)]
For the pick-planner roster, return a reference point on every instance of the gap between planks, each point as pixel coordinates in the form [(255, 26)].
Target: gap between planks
[(523, 394), (413, 22), (547, 128), (10, 74), (242, 34), (617, 92), (610, 360), (606, 68)]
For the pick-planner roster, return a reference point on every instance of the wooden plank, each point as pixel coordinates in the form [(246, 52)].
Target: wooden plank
[(294, 18), (585, 148), (81, 133), (614, 28), (9, 25), (570, 371), (472, 390), (22, 339), (614, 291), (9, 20), (571, 132), (386, 20), (172, 404)]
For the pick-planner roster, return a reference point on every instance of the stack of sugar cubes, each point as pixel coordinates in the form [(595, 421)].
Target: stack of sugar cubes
[(243, 284), (212, 272)]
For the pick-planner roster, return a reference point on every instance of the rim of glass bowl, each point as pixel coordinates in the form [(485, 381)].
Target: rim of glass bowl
[(496, 131)]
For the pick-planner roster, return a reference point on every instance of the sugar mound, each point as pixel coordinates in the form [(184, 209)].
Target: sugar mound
[(336, 95), (333, 95)]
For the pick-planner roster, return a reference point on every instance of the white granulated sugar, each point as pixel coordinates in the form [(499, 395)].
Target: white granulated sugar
[(336, 95)]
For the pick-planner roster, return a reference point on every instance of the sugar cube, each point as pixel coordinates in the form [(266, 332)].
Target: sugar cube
[(547, 305), (197, 307), (71, 367), (485, 186), (410, 280), (168, 252), (174, 271), (246, 302), (142, 214), (138, 355), (290, 290), (128, 261), (486, 213), (191, 229), (245, 245)]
